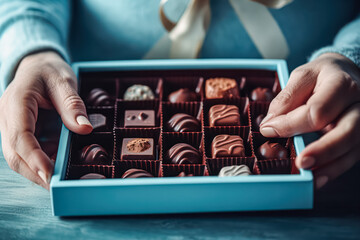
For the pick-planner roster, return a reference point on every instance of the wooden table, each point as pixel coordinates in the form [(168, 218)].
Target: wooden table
[(25, 213)]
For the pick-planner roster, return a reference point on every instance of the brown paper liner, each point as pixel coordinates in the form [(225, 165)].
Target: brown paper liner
[(109, 113), (194, 84), (173, 170), (257, 108), (121, 106), (152, 166), (214, 165), (106, 140), (170, 109), (154, 83), (241, 103), (76, 171), (243, 132), (108, 84), (275, 166), (121, 133)]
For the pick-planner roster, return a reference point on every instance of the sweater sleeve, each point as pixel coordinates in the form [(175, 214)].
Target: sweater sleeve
[(30, 26), (346, 43)]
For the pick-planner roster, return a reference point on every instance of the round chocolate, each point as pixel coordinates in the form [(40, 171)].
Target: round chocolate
[(182, 95), (182, 153), (136, 173), (262, 94), (271, 150), (182, 122), (183, 174), (94, 154), (99, 97), (138, 92), (258, 121), (93, 176), (231, 171)]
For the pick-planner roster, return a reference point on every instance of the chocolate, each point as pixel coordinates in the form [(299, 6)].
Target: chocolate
[(183, 174), (138, 92), (224, 115), (138, 148), (99, 97), (272, 150), (139, 118), (231, 171), (93, 176), (258, 121), (227, 146), (182, 122), (94, 154), (182, 153), (221, 88), (98, 121), (182, 95), (136, 173), (262, 94)]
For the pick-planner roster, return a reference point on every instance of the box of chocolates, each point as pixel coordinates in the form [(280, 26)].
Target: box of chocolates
[(178, 136)]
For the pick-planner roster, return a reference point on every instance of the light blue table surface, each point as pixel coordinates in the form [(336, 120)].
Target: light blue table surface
[(25, 213)]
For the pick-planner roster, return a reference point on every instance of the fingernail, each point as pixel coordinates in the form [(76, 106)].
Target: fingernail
[(43, 177), (307, 162), (267, 118), (268, 132), (321, 181), (82, 120)]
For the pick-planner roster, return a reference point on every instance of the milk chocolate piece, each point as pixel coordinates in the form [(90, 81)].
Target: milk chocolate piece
[(182, 95), (139, 118), (182, 122), (136, 173), (99, 97), (138, 92), (262, 94), (93, 176), (221, 88), (227, 146), (231, 171), (138, 148), (94, 154), (224, 115), (272, 150), (98, 121), (258, 121), (182, 153), (183, 174)]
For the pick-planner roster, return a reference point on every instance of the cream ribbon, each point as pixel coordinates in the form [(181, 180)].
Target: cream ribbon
[(185, 38)]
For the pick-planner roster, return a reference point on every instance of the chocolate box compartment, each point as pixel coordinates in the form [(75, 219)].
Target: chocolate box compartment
[(173, 170), (214, 165), (151, 166), (155, 84), (194, 84), (248, 84), (108, 113), (108, 84), (166, 195), (76, 171), (257, 108), (258, 140)]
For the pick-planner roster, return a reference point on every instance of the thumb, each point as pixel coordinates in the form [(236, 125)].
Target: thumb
[(62, 92)]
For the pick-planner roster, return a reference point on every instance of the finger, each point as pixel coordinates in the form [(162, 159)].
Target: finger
[(336, 168), (333, 144), (62, 92), (296, 92), (323, 107)]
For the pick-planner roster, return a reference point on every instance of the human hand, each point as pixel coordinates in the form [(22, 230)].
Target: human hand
[(320, 95), (42, 80)]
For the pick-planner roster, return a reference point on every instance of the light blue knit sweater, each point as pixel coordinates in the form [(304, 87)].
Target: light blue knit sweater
[(90, 30)]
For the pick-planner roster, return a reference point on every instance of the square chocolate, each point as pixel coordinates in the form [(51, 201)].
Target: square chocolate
[(224, 115), (98, 121), (138, 149), (139, 118)]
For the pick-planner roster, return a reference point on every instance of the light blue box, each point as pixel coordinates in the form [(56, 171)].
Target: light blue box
[(178, 195)]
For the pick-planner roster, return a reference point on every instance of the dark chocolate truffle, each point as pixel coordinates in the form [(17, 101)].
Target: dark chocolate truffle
[(183, 174), (182, 153), (258, 121), (139, 118), (182, 122), (94, 154), (230, 171), (93, 176), (99, 97), (224, 115), (182, 95), (221, 88), (136, 173), (138, 148), (138, 92), (271, 150), (227, 146), (262, 94), (98, 121)]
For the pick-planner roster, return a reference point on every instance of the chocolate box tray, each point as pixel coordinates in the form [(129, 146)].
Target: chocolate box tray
[(274, 185)]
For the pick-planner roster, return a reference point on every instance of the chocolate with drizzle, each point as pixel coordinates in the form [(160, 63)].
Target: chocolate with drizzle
[(227, 146), (182, 153), (182, 122), (224, 115)]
